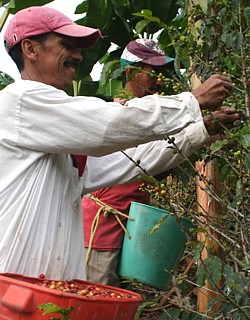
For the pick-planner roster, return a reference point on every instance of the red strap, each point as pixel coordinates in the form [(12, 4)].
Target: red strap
[(79, 161)]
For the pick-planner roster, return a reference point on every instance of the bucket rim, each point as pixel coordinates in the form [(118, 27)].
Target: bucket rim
[(160, 210)]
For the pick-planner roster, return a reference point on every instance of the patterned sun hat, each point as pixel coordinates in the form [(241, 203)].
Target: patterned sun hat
[(146, 51)]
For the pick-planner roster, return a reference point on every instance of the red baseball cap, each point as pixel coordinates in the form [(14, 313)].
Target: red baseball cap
[(37, 20)]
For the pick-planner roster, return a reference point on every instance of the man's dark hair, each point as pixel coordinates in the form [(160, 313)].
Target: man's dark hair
[(17, 54)]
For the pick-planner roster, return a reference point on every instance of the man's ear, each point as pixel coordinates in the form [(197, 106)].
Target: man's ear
[(29, 49)]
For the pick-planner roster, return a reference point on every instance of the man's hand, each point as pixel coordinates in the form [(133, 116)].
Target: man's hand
[(218, 120), (213, 91)]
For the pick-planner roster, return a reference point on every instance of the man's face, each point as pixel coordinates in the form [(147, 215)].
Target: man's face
[(56, 61), (143, 83)]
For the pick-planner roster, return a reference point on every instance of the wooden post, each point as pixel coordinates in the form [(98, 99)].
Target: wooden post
[(211, 210)]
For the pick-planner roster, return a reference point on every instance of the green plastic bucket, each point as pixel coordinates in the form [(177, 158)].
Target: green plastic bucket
[(151, 258)]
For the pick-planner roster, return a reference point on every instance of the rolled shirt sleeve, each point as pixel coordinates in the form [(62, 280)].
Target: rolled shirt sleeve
[(48, 120), (155, 157)]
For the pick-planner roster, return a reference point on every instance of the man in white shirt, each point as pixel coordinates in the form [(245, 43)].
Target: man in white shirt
[(40, 188)]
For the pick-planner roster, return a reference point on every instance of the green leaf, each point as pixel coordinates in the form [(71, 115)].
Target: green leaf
[(212, 303), (236, 287), (82, 7), (108, 70), (197, 251), (141, 25), (52, 308), (5, 79), (211, 270), (3, 18), (88, 88), (228, 62), (147, 14), (98, 13), (143, 306), (164, 10), (203, 5), (246, 266), (216, 146), (247, 161), (144, 13), (201, 275), (4, 2), (121, 13), (119, 6), (237, 41), (235, 283), (245, 130), (214, 267), (158, 225), (245, 140), (91, 56), (16, 5), (49, 308)]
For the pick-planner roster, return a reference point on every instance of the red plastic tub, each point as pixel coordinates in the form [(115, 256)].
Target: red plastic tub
[(20, 296)]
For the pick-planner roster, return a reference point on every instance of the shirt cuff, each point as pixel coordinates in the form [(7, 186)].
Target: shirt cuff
[(197, 134)]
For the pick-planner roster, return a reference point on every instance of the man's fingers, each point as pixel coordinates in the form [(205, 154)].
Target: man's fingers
[(213, 92), (237, 123), (228, 93), (228, 110), (227, 85), (226, 81), (221, 119)]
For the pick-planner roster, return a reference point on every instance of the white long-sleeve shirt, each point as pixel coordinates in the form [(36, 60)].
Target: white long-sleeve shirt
[(40, 212), (155, 157)]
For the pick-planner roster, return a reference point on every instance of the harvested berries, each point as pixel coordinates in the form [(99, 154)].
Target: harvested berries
[(87, 290)]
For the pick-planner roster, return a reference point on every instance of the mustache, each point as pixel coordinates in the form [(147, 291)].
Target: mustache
[(72, 63)]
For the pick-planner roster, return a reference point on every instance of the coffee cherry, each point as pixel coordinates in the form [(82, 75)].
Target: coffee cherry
[(82, 289), (163, 192)]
